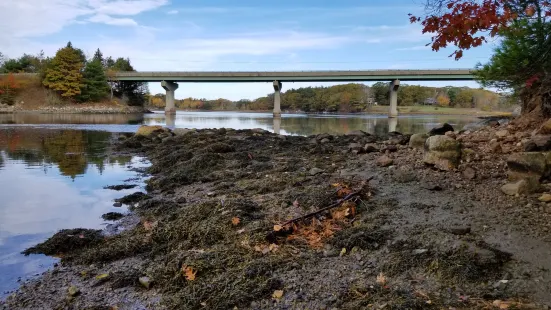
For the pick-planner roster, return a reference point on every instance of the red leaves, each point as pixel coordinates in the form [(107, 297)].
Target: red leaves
[(534, 78), (464, 21)]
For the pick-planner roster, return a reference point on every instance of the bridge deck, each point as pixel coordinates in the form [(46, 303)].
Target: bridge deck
[(299, 76)]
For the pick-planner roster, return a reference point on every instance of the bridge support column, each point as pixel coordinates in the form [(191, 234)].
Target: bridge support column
[(170, 87), (393, 98), (277, 98)]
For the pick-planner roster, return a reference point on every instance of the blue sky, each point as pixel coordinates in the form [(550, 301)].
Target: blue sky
[(245, 35)]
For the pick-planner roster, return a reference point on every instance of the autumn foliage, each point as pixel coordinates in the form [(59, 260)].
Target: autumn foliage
[(9, 87), (468, 23)]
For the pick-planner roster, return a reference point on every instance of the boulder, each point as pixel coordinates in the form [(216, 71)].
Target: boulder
[(443, 152), (451, 134), (384, 161), (417, 141), (516, 188), (147, 131), (545, 128), (441, 130), (531, 165), (538, 143)]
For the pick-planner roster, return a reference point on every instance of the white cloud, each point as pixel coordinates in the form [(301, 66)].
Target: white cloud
[(172, 12), (33, 18), (125, 7), (108, 20)]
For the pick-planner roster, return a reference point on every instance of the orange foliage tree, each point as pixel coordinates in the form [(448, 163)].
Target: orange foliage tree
[(469, 23), (8, 89)]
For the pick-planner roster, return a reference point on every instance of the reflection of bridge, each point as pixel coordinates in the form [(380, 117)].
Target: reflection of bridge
[(169, 80)]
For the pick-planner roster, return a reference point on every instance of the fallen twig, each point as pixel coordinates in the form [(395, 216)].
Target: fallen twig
[(336, 204)]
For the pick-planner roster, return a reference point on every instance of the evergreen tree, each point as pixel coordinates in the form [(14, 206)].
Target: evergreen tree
[(133, 92), (98, 56), (64, 72), (95, 85)]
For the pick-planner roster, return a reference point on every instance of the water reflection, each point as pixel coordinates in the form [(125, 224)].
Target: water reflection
[(302, 124), (50, 180), (294, 124)]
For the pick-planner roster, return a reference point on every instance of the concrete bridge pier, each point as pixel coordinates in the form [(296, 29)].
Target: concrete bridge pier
[(170, 87), (277, 98), (393, 99)]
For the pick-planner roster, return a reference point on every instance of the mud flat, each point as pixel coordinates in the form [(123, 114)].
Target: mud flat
[(232, 220)]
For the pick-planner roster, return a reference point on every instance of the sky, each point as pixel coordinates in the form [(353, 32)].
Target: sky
[(237, 35)]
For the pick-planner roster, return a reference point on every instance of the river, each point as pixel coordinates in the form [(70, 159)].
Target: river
[(53, 168)]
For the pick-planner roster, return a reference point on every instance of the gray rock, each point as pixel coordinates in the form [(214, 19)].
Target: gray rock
[(325, 140), (529, 166), (145, 282), (443, 152), (517, 188), (315, 171), (469, 173), (117, 205), (384, 161), (181, 131)]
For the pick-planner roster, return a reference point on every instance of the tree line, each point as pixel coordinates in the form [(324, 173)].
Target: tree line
[(73, 76), (350, 97)]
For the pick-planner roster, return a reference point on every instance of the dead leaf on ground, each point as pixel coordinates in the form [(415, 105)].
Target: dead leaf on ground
[(500, 304), (295, 203), (148, 225), (277, 227), (241, 231), (235, 221), (277, 294), (189, 273), (381, 279)]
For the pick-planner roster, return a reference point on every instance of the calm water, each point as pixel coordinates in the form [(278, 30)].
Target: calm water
[(294, 124), (49, 180), (53, 168)]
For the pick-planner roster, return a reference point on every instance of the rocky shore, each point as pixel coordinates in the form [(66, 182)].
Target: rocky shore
[(246, 219)]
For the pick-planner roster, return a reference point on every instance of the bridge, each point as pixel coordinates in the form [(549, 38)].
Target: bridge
[(169, 80)]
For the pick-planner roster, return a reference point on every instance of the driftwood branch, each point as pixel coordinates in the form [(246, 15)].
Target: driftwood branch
[(336, 204)]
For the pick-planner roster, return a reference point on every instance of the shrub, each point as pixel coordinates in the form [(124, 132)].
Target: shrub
[(9, 88)]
